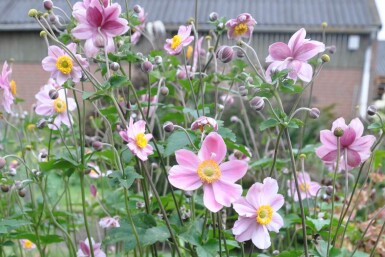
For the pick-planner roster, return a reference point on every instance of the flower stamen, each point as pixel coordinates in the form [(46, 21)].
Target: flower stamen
[(209, 171), (141, 140), (240, 29), (12, 85), (59, 105), (64, 64), (264, 214), (304, 187), (176, 41)]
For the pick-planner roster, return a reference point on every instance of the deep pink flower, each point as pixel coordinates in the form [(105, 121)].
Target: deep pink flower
[(242, 26), (98, 24), (203, 121), (353, 145), (7, 88), (307, 188), (258, 213), (58, 108), (62, 66), (85, 251), (206, 168), (294, 56), (109, 222), (175, 45), (137, 139), (139, 28)]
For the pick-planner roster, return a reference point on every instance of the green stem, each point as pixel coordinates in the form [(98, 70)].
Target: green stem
[(81, 175), (132, 223)]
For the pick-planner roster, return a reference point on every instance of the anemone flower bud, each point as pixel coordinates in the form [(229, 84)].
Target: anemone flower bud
[(240, 54), (43, 33), (275, 252), (324, 25), (41, 124), (48, 5), (325, 58), (158, 60), (137, 8), (53, 94), (168, 126), (5, 188), (234, 119), (53, 18), (372, 110), (22, 192), (164, 90), (2, 162), (338, 132), (93, 190), (314, 113), (225, 54), (329, 190), (114, 66), (97, 145), (332, 49), (32, 13), (154, 165), (213, 16), (147, 66), (257, 103)]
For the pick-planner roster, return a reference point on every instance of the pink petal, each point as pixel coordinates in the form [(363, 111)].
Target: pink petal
[(115, 27), (89, 49), (49, 64), (348, 137), (226, 193), (297, 40), (261, 237), (313, 188), (55, 51), (328, 139), (306, 72), (184, 178), (279, 51), (94, 17), (187, 158), (85, 248), (294, 68), (363, 144), (184, 31), (213, 148), (232, 171), (209, 199), (187, 41), (339, 123), (276, 223), (44, 109), (123, 135), (358, 127), (276, 202), (308, 50), (253, 195), (330, 157), (244, 228), (244, 208), (354, 158), (269, 190)]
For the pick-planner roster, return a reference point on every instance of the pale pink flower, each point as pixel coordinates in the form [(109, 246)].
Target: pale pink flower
[(57, 108), (7, 88), (62, 66), (109, 222), (98, 24), (206, 169), (227, 99), (182, 74), (137, 139), (94, 170), (258, 213), (307, 188), (354, 146), (27, 244), (294, 56), (175, 45), (85, 250), (242, 26), (139, 28), (203, 121)]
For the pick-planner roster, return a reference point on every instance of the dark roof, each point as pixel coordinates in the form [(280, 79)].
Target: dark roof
[(276, 15), (380, 59)]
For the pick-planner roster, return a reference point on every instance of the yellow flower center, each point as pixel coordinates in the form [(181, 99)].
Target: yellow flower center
[(59, 105), (141, 140), (12, 84), (209, 171), (64, 64), (189, 52), (176, 41), (240, 29), (264, 214), (27, 244), (304, 187)]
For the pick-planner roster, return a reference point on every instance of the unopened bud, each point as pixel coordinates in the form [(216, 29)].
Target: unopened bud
[(338, 132), (164, 90), (208, 38), (93, 190), (302, 156), (257, 103), (168, 126), (240, 54), (225, 54), (275, 252), (221, 25), (28, 147), (243, 92), (53, 94), (329, 190), (314, 113), (2, 162), (137, 8), (154, 165), (22, 192), (114, 66), (53, 18), (372, 110), (234, 119), (32, 13), (147, 66), (213, 16), (97, 145), (48, 5), (325, 58), (332, 49), (41, 124), (238, 154), (43, 33), (5, 188), (158, 60), (324, 25)]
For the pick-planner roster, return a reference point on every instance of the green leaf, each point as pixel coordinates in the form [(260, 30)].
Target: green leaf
[(7, 225), (177, 140), (227, 133), (268, 124), (293, 253), (375, 125), (117, 81), (131, 176), (316, 224)]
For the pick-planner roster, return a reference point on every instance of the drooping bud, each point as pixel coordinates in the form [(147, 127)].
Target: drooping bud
[(332, 49), (372, 110), (225, 54), (53, 94), (5, 188), (243, 91), (234, 119), (22, 192), (275, 252), (158, 60), (53, 18), (147, 66), (338, 132), (314, 113), (325, 58), (43, 33), (41, 124), (168, 126), (2, 162), (164, 90), (324, 25), (114, 66), (32, 13), (257, 103), (97, 145), (213, 16), (137, 8), (48, 5)]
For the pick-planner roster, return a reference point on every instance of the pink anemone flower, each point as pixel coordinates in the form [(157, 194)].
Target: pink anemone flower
[(258, 213), (27, 244), (307, 188), (203, 121), (98, 24), (62, 66), (175, 45), (206, 169), (242, 26), (354, 147), (137, 139), (109, 222), (58, 107), (7, 88), (294, 56), (85, 250)]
